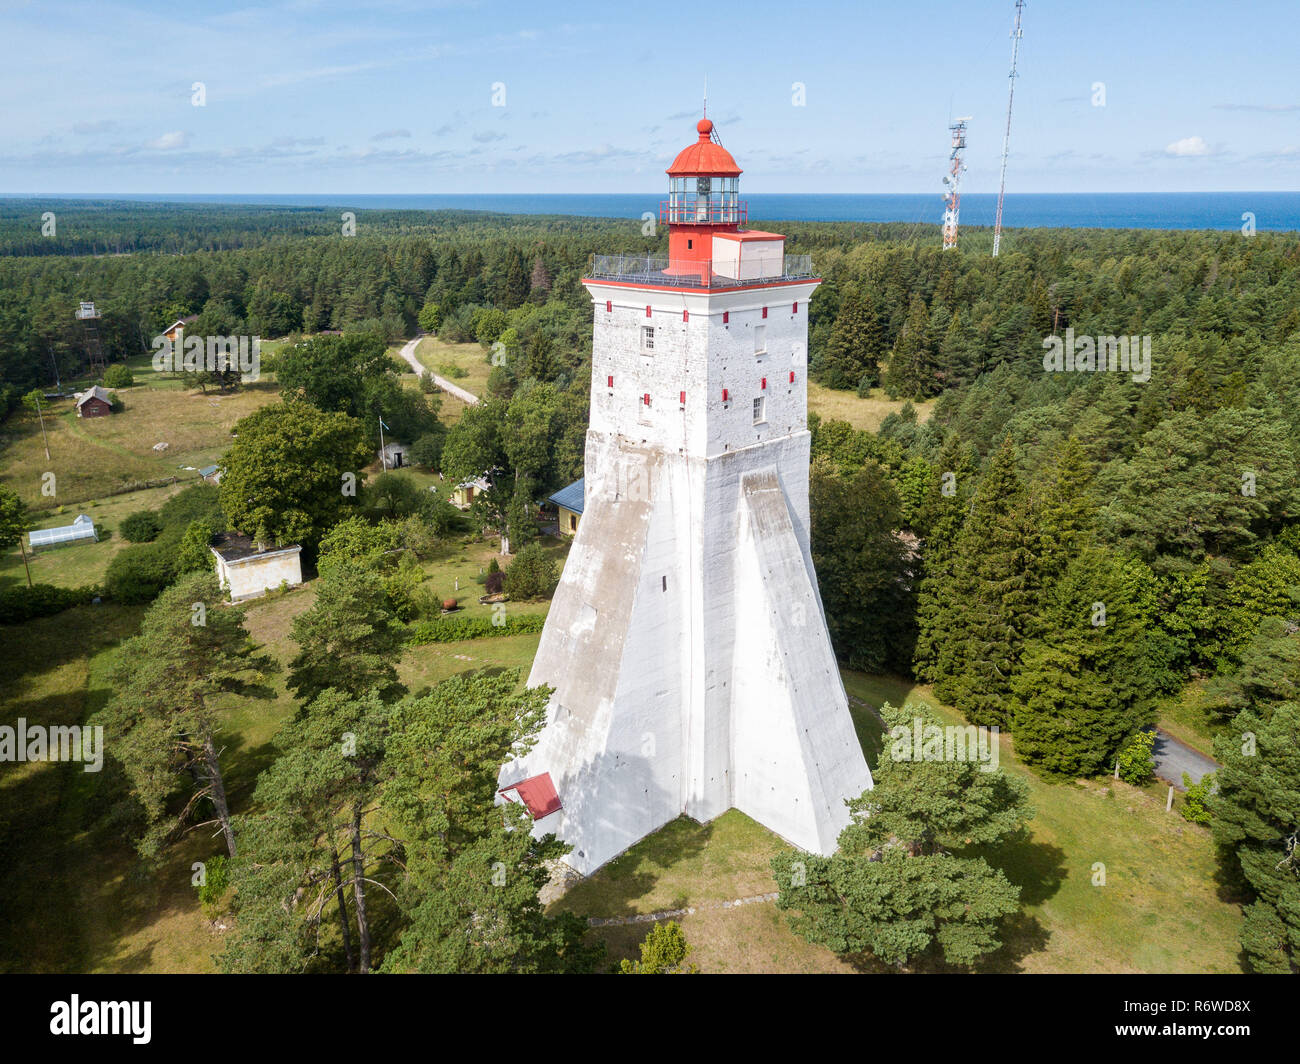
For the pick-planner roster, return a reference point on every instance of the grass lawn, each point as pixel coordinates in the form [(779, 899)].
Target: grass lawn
[(866, 413), (447, 360), (85, 562), (1158, 912), (91, 457)]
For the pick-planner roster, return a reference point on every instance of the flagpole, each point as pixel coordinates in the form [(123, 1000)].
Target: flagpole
[(383, 457)]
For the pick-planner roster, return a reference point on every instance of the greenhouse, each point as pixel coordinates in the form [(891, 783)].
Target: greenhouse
[(82, 528)]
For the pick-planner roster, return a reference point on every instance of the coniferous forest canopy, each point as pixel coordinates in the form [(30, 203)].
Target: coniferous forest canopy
[(970, 550)]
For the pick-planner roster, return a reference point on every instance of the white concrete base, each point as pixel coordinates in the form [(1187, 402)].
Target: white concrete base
[(688, 651)]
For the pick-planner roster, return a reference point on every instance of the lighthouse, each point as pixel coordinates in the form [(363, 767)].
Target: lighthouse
[(686, 644)]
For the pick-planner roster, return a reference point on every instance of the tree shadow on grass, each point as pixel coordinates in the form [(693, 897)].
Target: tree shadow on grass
[(616, 889)]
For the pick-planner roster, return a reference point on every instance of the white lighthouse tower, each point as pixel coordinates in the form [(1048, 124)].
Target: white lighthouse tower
[(686, 643)]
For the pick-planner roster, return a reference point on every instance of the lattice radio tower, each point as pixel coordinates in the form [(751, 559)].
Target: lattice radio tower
[(1006, 137), (952, 196), (89, 318)]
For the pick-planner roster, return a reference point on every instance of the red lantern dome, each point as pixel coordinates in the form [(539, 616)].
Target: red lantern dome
[(704, 158)]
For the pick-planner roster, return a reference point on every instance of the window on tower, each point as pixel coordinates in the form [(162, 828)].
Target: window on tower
[(647, 339), (760, 410), (760, 339)]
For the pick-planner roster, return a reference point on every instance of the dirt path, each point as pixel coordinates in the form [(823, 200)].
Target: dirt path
[(408, 353), (672, 914)]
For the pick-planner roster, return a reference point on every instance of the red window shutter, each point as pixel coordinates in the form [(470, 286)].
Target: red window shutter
[(647, 312), (611, 380), (765, 312), (726, 316), (796, 307), (724, 395), (646, 398), (682, 399), (764, 383), (791, 377), (686, 315), (609, 306)]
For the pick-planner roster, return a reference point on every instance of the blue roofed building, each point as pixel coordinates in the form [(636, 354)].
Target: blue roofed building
[(569, 502)]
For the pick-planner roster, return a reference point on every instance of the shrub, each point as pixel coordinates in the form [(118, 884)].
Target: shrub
[(1136, 765), (427, 450), (118, 376), (401, 586), (198, 502), (138, 574), (1195, 807), (142, 526), (455, 628), (532, 575), (194, 554), (495, 582), (216, 882), (22, 603), (662, 953)]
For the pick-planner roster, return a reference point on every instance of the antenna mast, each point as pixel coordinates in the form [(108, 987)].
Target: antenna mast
[(952, 197), (1016, 34)]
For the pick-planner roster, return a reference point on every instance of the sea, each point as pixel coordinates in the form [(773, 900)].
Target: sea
[(1108, 210)]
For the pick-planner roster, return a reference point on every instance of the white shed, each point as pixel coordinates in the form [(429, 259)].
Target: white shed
[(247, 572)]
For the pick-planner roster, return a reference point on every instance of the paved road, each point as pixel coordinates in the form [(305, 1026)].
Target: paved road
[(408, 353), (1173, 758)]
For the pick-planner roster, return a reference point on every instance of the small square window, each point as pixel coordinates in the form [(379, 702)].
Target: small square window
[(760, 339), (760, 410), (647, 339)]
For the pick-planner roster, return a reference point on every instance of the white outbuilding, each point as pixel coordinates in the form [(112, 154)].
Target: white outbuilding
[(247, 572)]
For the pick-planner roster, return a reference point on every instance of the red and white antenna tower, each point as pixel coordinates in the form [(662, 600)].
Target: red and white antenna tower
[(952, 197), (1016, 34)]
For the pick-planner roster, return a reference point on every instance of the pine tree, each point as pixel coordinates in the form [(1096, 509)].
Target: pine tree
[(349, 638), (903, 884), (164, 720), (470, 897), (939, 523), (1256, 816), (1067, 512), (856, 343), (987, 609), (311, 842), (1086, 683), (913, 366)]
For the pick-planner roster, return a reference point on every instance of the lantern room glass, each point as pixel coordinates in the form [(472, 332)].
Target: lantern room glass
[(697, 198)]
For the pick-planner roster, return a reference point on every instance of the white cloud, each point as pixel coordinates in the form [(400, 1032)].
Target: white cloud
[(1188, 146), (169, 141)]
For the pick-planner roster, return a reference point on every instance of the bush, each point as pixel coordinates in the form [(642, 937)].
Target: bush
[(495, 582), (216, 882), (1136, 765), (118, 376), (455, 628), (138, 574), (142, 526), (1195, 807), (199, 502), (22, 603), (532, 575), (427, 450), (194, 553)]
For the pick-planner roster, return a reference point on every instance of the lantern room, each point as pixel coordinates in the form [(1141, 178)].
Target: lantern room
[(704, 184)]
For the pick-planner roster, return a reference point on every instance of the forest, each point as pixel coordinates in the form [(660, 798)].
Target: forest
[(1057, 553)]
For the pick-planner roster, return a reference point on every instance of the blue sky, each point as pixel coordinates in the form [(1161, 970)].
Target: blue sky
[(397, 97)]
